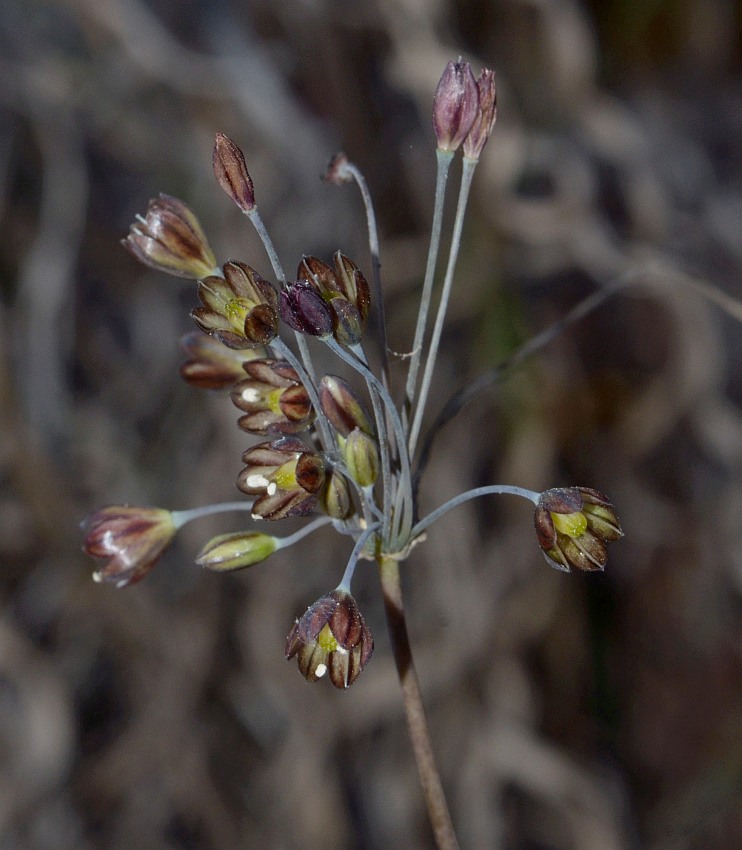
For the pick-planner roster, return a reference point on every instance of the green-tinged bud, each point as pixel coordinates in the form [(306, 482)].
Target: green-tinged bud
[(333, 637), (133, 540), (455, 105), (170, 239), (342, 407), (211, 365), (285, 474), (240, 309), (236, 551), (361, 455), (484, 122), (273, 398), (336, 500), (230, 171), (573, 526)]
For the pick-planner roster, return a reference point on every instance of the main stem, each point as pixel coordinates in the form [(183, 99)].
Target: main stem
[(417, 723)]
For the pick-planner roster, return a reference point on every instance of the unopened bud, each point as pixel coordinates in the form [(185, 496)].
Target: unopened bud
[(236, 551), (230, 171), (336, 500), (455, 105), (361, 456), (342, 407), (304, 310), (487, 113)]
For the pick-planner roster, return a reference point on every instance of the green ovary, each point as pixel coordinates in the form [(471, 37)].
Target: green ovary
[(326, 639), (573, 525)]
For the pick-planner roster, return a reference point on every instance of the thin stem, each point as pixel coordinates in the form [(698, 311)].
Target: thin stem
[(355, 555), (466, 178), (381, 429), (257, 223), (373, 244), (289, 540), (417, 723), (489, 490), (444, 159), (405, 483), (180, 518)]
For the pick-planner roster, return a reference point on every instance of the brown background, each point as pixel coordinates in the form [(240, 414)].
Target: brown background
[(588, 712)]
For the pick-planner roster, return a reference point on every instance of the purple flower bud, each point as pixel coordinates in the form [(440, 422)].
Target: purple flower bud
[(304, 310), (455, 105), (230, 171), (342, 407), (487, 113)]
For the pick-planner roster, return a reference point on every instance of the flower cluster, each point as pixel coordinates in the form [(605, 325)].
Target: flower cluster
[(342, 449)]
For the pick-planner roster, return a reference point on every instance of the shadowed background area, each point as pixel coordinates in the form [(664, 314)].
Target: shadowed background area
[(569, 712)]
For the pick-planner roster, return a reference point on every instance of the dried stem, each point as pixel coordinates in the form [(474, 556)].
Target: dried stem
[(417, 723)]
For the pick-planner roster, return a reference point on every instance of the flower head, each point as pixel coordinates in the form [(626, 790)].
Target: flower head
[(170, 239), (239, 309), (573, 526), (273, 398), (455, 105), (285, 475), (133, 539), (331, 636)]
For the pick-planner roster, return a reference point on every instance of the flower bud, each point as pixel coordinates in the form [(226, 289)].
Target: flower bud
[(337, 170), (335, 499), (171, 240), (347, 323), (133, 540), (236, 551), (230, 171), (353, 285), (212, 365), (273, 398), (285, 474), (240, 309), (361, 455), (342, 407), (486, 114), (305, 310), (331, 636), (573, 526), (455, 105)]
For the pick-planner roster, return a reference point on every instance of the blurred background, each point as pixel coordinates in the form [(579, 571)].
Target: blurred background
[(585, 712)]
